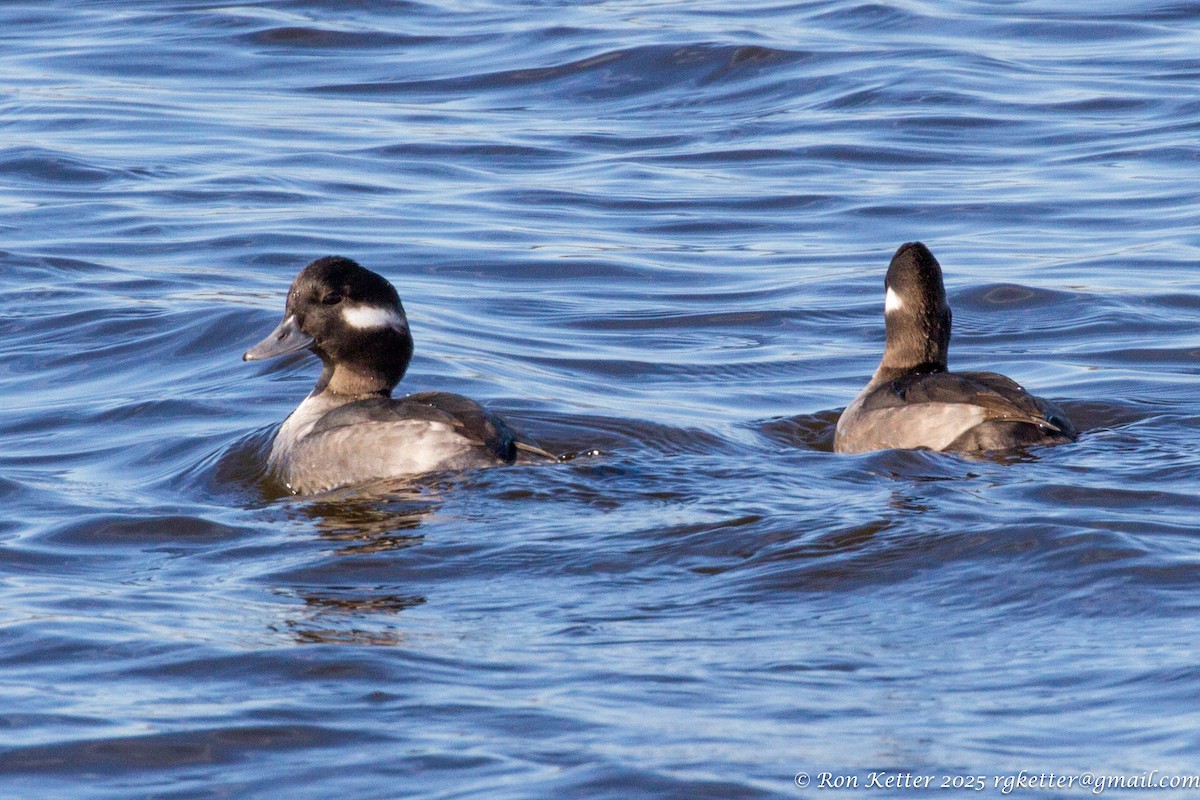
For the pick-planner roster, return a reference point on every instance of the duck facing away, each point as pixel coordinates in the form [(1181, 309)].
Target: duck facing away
[(913, 401), (350, 429)]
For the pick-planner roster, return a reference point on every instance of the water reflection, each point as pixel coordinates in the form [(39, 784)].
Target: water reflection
[(372, 520), (369, 524), (349, 615)]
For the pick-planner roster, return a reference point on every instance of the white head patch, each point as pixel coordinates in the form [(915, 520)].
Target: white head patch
[(892, 302), (367, 317)]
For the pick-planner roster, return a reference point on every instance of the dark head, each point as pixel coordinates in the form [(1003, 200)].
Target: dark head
[(352, 319), (916, 316)]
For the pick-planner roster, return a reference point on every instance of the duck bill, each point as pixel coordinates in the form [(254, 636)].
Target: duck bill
[(286, 338)]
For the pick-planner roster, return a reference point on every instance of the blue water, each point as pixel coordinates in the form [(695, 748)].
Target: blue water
[(649, 234)]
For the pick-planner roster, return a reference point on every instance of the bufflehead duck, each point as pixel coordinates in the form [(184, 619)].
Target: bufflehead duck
[(913, 401), (350, 429)]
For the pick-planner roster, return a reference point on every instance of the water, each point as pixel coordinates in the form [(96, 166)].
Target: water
[(654, 230)]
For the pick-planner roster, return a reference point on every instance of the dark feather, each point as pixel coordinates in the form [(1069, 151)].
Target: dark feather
[(1000, 397)]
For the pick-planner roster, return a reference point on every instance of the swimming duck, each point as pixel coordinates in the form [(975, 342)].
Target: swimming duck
[(350, 429), (913, 401)]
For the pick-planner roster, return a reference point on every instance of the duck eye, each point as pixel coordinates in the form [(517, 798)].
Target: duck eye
[(331, 299)]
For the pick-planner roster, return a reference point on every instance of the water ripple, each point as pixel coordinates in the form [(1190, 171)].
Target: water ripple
[(653, 236)]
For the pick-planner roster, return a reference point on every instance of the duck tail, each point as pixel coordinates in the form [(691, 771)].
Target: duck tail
[(537, 451)]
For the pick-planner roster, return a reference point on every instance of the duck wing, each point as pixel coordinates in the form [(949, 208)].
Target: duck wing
[(474, 420), (1000, 398), (965, 411), (466, 416)]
